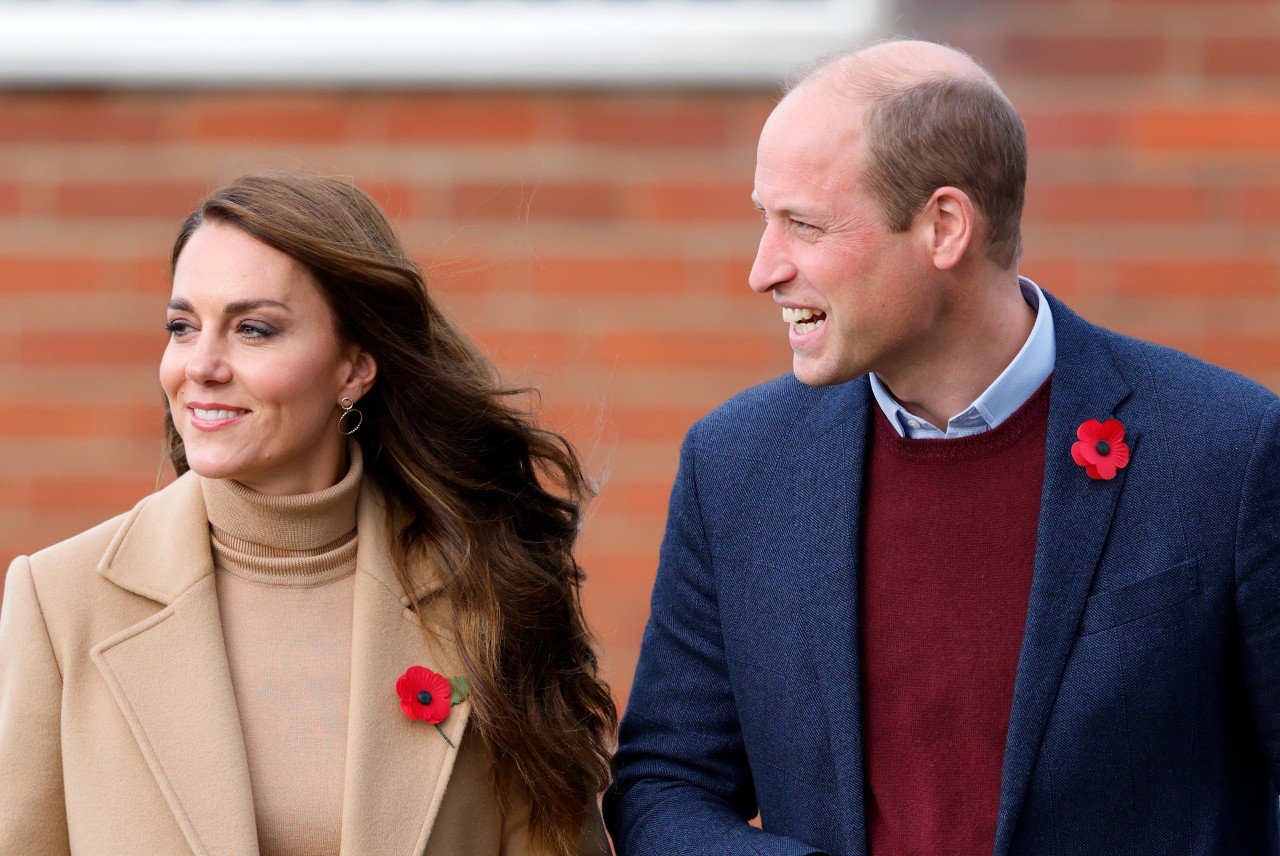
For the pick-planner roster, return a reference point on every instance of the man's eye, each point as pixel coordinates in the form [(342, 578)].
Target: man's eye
[(801, 226)]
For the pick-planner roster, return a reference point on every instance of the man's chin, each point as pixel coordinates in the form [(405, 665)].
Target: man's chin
[(815, 373)]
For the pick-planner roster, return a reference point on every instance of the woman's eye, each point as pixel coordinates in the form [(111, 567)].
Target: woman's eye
[(255, 331), (177, 328)]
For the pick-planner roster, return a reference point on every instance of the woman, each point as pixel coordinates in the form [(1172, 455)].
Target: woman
[(352, 625)]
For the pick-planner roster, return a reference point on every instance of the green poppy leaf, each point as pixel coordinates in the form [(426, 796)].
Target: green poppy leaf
[(461, 688)]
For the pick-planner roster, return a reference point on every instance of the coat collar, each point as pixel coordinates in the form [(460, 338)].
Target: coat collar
[(162, 547), (170, 677)]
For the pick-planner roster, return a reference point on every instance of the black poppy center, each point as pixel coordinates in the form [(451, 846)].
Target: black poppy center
[(1103, 447), (424, 697)]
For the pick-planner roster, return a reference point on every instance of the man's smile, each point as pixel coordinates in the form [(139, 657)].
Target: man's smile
[(803, 319)]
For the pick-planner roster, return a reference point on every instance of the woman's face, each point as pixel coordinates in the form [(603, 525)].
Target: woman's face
[(254, 369)]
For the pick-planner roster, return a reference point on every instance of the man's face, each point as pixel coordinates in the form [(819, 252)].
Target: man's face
[(856, 297)]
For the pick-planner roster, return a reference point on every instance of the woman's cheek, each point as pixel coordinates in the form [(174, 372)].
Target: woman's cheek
[(171, 377)]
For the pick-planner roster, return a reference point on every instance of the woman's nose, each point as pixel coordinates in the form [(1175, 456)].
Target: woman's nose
[(207, 362)]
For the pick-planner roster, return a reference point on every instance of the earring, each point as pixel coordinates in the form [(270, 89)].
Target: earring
[(349, 407)]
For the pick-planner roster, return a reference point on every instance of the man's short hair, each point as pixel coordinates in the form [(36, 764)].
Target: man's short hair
[(954, 132), (941, 131)]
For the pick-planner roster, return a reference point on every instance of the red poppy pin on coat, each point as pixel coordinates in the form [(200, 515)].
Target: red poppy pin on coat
[(1101, 449), (429, 696)]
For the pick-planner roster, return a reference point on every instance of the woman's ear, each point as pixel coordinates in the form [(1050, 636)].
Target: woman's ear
[(361, 375)]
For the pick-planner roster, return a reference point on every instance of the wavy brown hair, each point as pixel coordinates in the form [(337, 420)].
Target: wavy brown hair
[(476, 488)]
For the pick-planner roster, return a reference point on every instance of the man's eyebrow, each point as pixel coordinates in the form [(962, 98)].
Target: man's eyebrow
[(234, 308), (787, 212)]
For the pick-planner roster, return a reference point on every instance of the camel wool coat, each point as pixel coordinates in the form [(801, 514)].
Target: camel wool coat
[(119, 732)]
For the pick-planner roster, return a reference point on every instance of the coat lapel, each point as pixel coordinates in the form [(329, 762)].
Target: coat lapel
[(1075, 519), (831, 479), (396, 768), (170, 677), (169, 673)]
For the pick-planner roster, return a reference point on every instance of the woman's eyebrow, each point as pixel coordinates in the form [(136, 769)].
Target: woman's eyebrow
[(233, 308)]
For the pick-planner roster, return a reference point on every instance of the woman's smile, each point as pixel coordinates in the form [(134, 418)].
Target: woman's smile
[(213, 416)]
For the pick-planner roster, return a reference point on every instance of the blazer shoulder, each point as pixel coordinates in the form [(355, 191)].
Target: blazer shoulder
[(759, 416), (1197, 392)]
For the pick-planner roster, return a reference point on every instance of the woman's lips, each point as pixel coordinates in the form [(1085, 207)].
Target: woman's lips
[(215, 417)]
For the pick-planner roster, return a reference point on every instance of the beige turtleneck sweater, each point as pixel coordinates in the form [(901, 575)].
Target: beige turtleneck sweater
[(285, 570)]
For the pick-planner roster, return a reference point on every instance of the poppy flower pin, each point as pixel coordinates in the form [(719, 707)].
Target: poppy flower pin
[(429, 696), (1101, 448)]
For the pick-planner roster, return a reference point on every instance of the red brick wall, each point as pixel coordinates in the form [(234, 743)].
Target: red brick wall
[(598, 243)]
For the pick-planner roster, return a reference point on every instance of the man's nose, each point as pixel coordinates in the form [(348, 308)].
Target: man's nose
[(207, 362), (771, 266)]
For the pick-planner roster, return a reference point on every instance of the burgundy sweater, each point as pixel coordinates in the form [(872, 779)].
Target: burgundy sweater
[(948, 549)]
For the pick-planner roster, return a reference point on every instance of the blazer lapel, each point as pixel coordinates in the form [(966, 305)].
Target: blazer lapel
[(1075, 519), (397, 768), (169, 673), (830, 478)]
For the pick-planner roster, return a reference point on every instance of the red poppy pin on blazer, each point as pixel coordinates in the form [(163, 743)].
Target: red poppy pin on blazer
[(1101, 448), (429, 696)]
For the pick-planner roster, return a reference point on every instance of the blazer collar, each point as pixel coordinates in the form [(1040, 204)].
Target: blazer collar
[(1075, 520), (170, 677)]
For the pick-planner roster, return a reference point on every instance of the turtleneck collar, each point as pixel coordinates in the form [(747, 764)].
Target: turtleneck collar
[(301, 523)]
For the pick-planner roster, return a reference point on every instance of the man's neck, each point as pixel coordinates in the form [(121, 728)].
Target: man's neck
[(963, 354)]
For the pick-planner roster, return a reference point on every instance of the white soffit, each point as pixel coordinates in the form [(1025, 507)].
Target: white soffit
[(513, 43)]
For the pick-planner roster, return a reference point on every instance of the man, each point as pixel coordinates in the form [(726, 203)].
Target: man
[(980, 577)]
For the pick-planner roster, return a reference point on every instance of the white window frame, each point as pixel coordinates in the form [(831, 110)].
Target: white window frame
[(449, 42)]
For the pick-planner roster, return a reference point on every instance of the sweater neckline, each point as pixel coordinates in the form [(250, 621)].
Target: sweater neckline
[(301, 524), (1033, 412)]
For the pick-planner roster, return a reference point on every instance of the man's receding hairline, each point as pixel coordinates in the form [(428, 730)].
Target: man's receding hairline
[(884, 69), (899, 94)]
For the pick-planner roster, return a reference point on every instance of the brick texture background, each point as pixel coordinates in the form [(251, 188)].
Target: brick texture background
[(597, 243)]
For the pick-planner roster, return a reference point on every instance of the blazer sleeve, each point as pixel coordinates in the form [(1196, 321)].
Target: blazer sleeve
[(33, 818), (1258, 584), (682, 784)]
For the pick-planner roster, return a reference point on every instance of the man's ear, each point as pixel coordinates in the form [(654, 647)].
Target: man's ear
[(952, 221)]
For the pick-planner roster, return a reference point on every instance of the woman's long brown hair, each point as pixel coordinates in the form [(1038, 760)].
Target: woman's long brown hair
[(479, 491)]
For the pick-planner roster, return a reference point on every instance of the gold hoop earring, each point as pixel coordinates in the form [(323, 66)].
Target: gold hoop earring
[(349, 407)]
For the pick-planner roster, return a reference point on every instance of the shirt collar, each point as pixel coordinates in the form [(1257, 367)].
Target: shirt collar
[(1017, 383)]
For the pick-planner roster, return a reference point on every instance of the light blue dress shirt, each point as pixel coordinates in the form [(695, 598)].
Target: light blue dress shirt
[(1017, 383)]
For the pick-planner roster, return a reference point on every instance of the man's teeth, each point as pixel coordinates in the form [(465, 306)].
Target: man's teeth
[(216, 414), (791, 316), (804, 320)]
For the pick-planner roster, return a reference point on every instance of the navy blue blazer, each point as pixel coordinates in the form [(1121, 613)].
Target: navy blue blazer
[(1146, 705)]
